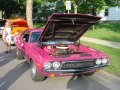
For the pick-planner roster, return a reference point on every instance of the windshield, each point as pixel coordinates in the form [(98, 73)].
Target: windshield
[(34, 37)]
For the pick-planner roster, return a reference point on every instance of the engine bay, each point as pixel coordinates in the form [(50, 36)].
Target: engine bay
[(58, 50)]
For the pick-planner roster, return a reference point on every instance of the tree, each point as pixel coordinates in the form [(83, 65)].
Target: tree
[(12, 8), (77, 3), (60, 7), (91, 7), (44, 10), (29, 9), (41, 10), (112, 2)]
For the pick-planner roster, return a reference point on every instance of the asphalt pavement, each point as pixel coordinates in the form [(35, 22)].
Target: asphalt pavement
[(15, 75)]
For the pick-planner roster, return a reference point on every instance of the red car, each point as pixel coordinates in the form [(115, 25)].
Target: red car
[(56, 49)]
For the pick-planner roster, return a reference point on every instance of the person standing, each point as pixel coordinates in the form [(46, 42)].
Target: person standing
[(7, 37)]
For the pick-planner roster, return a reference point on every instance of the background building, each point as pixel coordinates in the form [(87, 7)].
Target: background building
[(110, 14)]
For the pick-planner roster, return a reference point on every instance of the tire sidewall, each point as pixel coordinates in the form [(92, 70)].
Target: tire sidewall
[(19, 55)]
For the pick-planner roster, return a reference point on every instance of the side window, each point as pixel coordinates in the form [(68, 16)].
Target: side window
[(34, 37), (25, 36)]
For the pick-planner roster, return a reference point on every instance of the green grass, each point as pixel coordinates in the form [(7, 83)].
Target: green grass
[(105, 31), (112, 53)]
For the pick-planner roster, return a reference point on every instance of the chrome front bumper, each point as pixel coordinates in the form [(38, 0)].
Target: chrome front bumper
[(74, 71)]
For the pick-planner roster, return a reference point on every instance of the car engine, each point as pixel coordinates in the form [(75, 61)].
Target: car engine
[(64, 50), (59, 50)]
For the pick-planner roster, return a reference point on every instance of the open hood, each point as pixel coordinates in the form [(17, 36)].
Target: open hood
[(19, 22), (68, 27)]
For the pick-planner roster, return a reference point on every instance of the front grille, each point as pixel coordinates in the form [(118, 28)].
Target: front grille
[(77, 65)]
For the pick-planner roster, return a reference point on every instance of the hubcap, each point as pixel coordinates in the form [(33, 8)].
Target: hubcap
[(17, 52), (33, 70)]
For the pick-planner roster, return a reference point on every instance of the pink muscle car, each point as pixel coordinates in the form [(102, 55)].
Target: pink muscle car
[(56, 50)]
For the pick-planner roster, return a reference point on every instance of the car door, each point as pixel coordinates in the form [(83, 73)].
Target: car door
[(25, 41), (32, 39)]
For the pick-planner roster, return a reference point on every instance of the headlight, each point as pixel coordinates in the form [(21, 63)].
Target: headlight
[(104, 61), (56, 65), (48, 65), (98, 61)]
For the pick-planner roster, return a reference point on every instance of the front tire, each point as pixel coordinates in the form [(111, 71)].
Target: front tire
[(19, 55), (35, 75)]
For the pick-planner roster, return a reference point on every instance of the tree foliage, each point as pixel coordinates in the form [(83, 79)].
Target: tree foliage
[(12, 8), (17, 8), (60, 7), (90, 6), (112, 2), (42, 9)]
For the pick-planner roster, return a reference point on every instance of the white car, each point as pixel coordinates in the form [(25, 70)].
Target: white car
[(2, 25)]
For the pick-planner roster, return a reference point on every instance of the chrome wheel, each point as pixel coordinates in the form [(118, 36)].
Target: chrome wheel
[(34, 73), (33, 70)]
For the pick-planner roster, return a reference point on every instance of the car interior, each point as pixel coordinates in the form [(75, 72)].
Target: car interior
[(25, 36)]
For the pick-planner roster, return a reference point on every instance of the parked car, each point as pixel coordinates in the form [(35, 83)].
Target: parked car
[(18, 25), (2, 25), (58, 51)]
